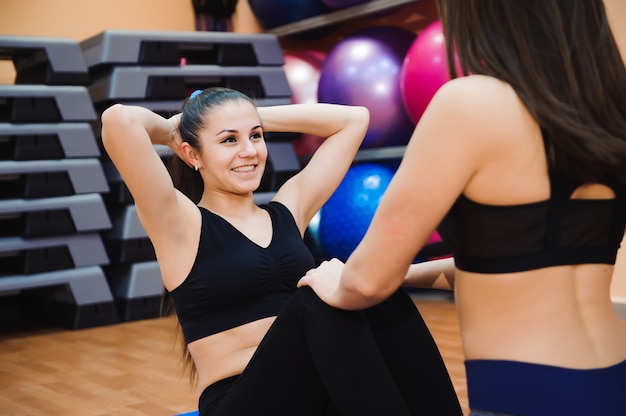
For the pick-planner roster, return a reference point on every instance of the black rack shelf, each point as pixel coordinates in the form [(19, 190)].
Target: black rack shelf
[(337, 16)]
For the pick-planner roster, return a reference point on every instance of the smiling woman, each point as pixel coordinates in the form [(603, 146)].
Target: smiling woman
[(231, 267), (234, 145)]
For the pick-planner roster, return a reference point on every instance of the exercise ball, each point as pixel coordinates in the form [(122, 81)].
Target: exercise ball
[(342, 4), (345, 217), (434, 238), (273, 13), (312, 236), (364, 69), (302, 69), (424, 70), (434, 248)]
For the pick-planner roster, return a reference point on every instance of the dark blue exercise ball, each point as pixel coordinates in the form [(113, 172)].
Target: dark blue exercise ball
[(345, 217), (273, 13)]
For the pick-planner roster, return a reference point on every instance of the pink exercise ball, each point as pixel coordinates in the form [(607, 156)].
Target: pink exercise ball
[(434, 238), (302, 69), (424, 70)]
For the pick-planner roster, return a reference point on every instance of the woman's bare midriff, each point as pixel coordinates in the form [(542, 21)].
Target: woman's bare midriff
[(227, 353), (560, 316)]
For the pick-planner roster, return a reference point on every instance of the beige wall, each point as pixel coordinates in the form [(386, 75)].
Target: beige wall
[(616, 10), (617, 17), (80, 19)]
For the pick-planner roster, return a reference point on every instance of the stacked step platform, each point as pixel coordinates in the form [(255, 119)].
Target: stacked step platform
[(158, 70), (52, 211)]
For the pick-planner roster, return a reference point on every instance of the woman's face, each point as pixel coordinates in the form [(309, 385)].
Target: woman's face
[(233, 149)]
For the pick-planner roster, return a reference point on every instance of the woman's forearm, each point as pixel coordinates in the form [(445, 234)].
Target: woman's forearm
[(435, 274), (318, 119)]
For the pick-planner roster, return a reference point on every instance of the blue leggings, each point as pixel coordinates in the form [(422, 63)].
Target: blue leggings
[(526, 389), (319, 360)]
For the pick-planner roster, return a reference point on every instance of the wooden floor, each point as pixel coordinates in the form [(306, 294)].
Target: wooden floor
[(134, 368)]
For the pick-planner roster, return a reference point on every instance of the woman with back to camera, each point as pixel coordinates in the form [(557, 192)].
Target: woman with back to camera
[(232, 266), (525, 160)]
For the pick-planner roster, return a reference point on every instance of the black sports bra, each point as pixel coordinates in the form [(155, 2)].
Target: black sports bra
[(558, 231), (235, 281)]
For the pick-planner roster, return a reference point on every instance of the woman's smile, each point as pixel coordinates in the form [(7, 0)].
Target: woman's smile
[(244, 169)]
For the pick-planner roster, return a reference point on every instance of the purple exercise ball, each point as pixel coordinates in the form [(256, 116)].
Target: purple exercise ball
[(364, 69)]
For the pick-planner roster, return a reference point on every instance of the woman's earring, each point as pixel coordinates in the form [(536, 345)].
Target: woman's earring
[(195, 167)]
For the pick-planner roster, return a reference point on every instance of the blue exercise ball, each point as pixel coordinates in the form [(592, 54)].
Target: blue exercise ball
[(273, 13), (364, 69), (312, 236), (345, 217)]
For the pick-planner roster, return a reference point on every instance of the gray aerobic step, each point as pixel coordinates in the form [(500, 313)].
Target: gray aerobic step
[(43, 60), (135, 47), (87, 284), (127, 242), (126, 224), (168, 108), (48, 141), (84, 213), (33, 255), (282, 157), (154, 82), (142, 279), (45, 103), (47, 178), (137, 288), (119, 193)]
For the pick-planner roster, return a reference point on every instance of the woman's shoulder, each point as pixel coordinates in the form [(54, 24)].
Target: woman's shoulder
[(480, 114), (478, 90), (470, 82), (479, 100)]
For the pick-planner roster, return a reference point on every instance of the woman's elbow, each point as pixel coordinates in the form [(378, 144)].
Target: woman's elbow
[(112, 118), (362, 116), (112, 113), (371, 291)]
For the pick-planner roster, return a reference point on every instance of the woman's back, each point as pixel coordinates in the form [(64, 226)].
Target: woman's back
[(529, 306), (520, 163)]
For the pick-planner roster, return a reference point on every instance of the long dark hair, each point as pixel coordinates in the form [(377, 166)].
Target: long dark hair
[(561, 58), (193, 120), (187, 180)]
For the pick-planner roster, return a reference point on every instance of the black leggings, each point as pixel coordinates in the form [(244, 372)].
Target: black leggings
[(319, 360)]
